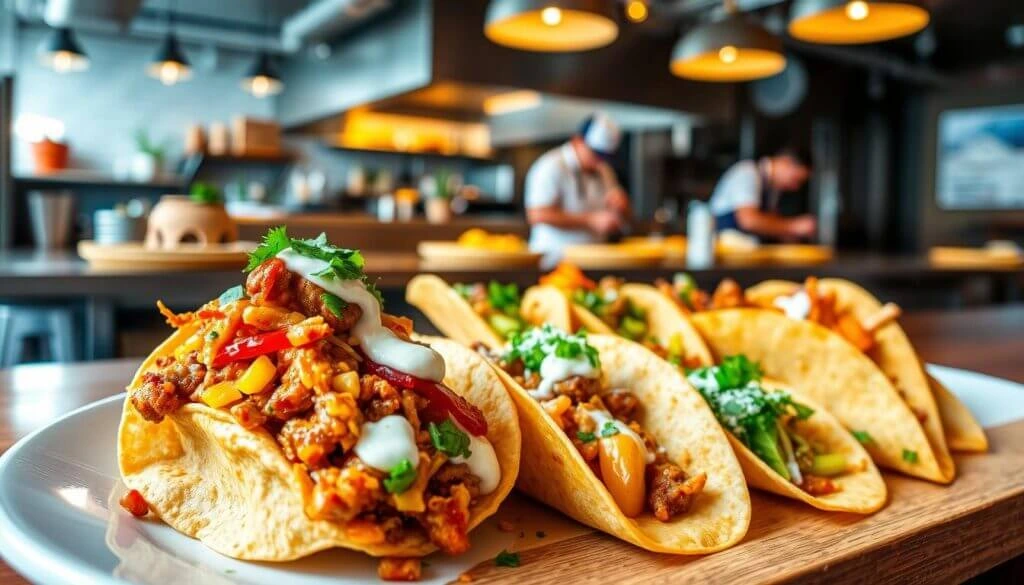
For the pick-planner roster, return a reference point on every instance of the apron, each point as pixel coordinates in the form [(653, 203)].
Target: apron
[(769, 204)]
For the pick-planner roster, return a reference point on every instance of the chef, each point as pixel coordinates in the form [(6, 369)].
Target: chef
[(746, 198), (572, 194)]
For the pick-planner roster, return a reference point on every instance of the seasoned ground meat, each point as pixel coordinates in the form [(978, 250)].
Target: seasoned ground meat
[(621, 403), (378, 397), (671, 492), (341, 494), (447, 520), (394, 569), (273, 284), (452, 474), (332, 426), (578, 388), (169, 387), (818, 486)]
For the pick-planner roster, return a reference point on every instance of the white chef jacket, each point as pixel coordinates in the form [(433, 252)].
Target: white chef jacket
[(556, 179)]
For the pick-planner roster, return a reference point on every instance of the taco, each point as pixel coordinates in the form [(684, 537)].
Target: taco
[(292, 415), (486, 313), (825, 367), (872, 327), (612, 306), (619, 441), (786, 443)]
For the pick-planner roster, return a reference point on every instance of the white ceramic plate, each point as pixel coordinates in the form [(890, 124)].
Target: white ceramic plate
[(60, 521)]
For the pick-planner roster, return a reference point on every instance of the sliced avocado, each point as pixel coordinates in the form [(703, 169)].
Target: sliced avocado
[(633, 328)]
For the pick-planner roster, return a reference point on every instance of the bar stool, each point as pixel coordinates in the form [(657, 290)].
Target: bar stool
[(52, 324)]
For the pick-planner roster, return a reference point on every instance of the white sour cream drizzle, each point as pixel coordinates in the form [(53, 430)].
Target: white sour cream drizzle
[(797, 306), (554, 369), (601, 417), (386, 443), (378, 342), (482, 461)]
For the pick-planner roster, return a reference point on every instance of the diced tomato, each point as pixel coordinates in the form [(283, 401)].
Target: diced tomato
[(134, 503), (442, 402), (211, 314)]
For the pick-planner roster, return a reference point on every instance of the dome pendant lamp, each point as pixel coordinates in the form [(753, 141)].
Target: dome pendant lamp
[(62, 53), (262, 80), (730, 50), (853, 22), (169, 65), (551, 26)]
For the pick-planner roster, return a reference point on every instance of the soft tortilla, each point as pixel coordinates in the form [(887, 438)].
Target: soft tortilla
[(862, 491), (449, 312), (893, 353), (664, 318), (679, 419), (963, 433), (233, 489), (823, 366)]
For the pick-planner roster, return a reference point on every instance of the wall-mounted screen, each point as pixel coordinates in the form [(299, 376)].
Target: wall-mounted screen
[(980, 162)]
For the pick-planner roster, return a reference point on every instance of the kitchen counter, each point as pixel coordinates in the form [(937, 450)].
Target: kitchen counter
[(58, 276)]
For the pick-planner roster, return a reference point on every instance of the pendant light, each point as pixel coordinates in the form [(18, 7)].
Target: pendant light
[(729, 50), (551, 26), (169, 65), (62, 53), (852, 22), (262, 80)]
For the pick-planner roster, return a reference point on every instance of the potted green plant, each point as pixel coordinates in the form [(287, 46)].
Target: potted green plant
[(438, 196), (147, 162)]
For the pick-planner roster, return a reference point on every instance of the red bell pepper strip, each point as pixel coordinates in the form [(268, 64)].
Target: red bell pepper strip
[(245, 348), (442, 402)]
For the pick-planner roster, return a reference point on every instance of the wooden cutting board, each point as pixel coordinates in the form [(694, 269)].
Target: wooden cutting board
[(441, 255), (135, 256), (927, 533)]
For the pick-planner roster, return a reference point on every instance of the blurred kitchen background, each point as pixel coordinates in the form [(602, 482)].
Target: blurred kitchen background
[(385, 123)]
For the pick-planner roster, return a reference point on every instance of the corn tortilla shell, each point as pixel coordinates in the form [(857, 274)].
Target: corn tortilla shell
[(861, 491), (679, 419), (893, 353), (823, 366), (449, 312), (546, 304), (963, 433), (233, 489)]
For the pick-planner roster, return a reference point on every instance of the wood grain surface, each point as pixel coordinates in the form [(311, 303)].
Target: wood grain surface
[(927, 533)]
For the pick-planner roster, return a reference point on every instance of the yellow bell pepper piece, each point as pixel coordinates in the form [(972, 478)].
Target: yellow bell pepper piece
[(257, 376), (194, 343), (220, 394)]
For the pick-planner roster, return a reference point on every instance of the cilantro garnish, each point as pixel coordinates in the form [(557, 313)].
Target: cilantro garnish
[(536, 344), (609, 429), (684, 285), (503, 297), (334, 303), (449, 439), (464, 290), (862, 437), (400, 477), (592, 300), (212, 335), (231, 295), (746, 409), (507, 559), (585, 436), (910, 456), (342, 263)]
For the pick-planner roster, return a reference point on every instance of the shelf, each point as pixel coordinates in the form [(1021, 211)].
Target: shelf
[(87, 178), (403, 153), (190, 165)]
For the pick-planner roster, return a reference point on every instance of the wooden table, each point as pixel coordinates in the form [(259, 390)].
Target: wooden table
[(926, 534)]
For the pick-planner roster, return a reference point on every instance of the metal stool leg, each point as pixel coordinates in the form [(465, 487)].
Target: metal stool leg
[(62, 342)]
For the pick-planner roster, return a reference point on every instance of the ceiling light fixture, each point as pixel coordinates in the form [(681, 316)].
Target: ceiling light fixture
[(637, 11), (729, 50), (263, 79), (169, 65), (853, 22), (62, 53), (552, 26)]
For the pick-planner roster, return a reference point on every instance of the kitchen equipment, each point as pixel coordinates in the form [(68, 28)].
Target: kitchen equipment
[(446, 255), (51, 214), (195, 139), (137, 257), (613, 256), (115, 226), (219, 140)]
